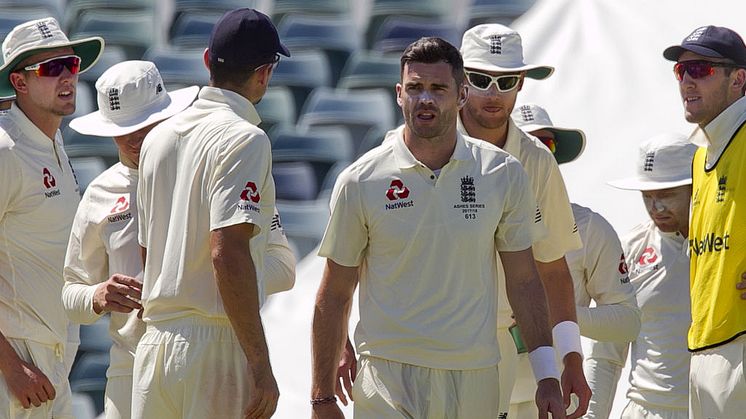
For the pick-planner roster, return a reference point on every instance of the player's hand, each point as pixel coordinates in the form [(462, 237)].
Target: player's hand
[(346, 373), (119, 293), (28, 384), (327, 411), (742, 286), (549, 399), (264, 394), (573, 382)]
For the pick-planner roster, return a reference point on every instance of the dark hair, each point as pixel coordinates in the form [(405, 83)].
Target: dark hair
[(236, 75), (430, 50)]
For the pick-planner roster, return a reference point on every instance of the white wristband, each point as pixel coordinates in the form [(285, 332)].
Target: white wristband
[(543, 363), (566, 336)]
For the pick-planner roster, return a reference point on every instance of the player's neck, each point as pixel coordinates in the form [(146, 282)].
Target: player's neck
[(433, 152), (495, 136)]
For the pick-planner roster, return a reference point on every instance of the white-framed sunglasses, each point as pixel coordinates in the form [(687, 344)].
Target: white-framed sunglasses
[(482, 81)]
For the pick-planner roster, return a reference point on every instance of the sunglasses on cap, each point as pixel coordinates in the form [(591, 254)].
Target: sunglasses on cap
[(697, 69), (481, 81), (53, 67), (273, 63)]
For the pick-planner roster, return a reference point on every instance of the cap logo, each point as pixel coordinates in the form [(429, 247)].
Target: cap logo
[(648, 165), (496, 44), (696, 34), (722, 182), (158, 88), (44, 30), (527, 114), (468, 191), (114, 99)]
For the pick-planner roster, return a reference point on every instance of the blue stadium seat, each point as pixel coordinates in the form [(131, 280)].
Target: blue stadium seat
[(338, 37), (75, 8), (111, 55), (396, 33), (193, 29), (131, 30), (371, 70), (10, 17), (304, 223), (301, 73), (362, 112), (497, 11), (179, 68), (383, 9), (310, 7), (277, 108), (33, 8), (294, 181)]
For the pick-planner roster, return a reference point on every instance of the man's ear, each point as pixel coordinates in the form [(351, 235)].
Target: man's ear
[(463, 95), (740, 79), (398, 94), (206, 59), (18, 81)]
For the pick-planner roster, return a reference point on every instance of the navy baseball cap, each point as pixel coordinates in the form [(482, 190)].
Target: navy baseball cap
[(244, 37), (711, 41)]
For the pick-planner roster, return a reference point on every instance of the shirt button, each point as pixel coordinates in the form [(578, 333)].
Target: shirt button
[(432, 176)]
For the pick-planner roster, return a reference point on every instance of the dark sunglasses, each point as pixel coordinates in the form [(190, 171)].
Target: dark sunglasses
[(53, 67), (550, 142), (697, 69), (481, 81)]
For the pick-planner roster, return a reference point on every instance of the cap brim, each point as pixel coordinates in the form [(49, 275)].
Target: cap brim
[(95, 124), (674, 52), (88, 49), (284, 50), (637, 184), (537, 72), (569, 142)]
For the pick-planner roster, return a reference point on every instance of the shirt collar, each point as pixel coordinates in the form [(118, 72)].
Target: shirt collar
[(404, 157), (720, 130), (227, 98), (512, 142), (30, 131)]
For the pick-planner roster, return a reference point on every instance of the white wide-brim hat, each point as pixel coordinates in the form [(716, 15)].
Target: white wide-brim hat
[(497, 48), (38, 36), (569, 142), (664, 161), (131, 95)]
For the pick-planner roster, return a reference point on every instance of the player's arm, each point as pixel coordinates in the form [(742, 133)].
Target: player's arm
[(279, 261), (528, 300), (330, 323), (603, 368), (236, 279)]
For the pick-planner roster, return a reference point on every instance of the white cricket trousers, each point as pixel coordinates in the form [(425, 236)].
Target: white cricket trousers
[(388, 389), (634, 410), (51, 361), (717, 385), (190, 367), (118, 397)]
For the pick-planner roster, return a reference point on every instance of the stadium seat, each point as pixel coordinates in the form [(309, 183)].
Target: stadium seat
[(32, 8), (294, 181), (111, 55), (10, 17), (179, 68), (337, 37), (304, 223), (383, 9), (396, 33), (132, 30), (310, 7), (361, 112), (497, 11), (191, 30), (277, 107), (95, 337), (302, 73), (75, 8)]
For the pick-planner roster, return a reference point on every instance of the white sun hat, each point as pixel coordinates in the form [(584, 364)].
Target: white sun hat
[(494, 47), (569, 142), (131, 95), (36, 36), (664, 161)]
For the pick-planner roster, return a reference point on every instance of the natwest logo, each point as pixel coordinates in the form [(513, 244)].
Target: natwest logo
[(622, 266), (49, 181), (120, 206), (250, 193), (397, 190), (710, 243), (648, 256)]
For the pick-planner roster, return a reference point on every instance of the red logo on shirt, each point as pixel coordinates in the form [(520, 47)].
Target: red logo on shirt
[(49, 181), (121, 205), (397, 190), (648, 256), (250, 193), (623, 266)]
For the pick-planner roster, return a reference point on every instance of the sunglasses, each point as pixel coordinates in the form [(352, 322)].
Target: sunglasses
[(53, 67), (550, 142), (697, 69), (481, 81), (273, 63)]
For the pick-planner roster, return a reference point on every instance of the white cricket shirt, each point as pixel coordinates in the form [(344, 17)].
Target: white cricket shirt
[(38, 198), (205, 168), (428, 247)]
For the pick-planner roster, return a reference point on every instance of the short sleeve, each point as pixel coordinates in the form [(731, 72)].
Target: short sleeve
[(346, 236), (240, 183), (517, 228), (608, 279), (9, 169)]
